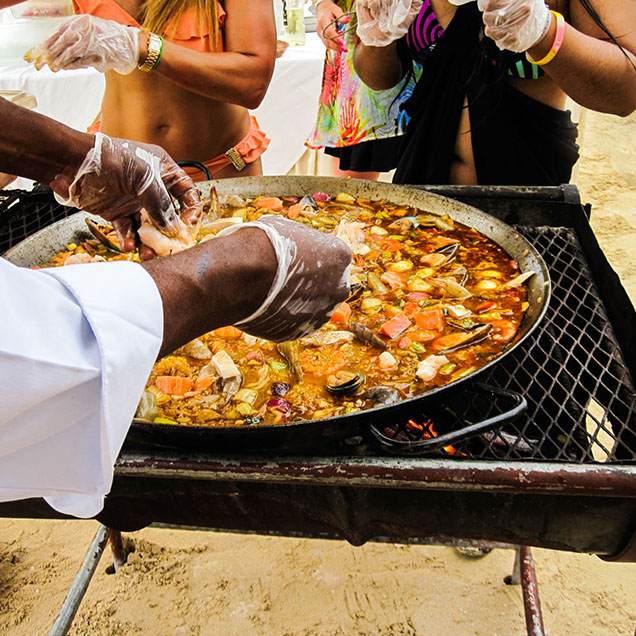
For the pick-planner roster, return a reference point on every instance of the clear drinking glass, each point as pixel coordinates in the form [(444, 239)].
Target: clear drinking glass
[(295, 27)]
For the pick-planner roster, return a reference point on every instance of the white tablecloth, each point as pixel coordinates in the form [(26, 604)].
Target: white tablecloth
[(287, 113)]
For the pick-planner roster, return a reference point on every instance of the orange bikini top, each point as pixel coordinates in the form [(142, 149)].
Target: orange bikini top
[(188, 32)]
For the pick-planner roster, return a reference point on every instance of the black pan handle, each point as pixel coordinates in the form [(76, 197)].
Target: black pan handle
[(518, 405), (198, 165)]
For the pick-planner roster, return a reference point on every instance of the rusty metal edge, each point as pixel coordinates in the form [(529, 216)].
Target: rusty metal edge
[(530, 589), (380, 472)]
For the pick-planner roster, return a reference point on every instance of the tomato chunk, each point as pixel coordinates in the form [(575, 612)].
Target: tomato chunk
[(394, 327)]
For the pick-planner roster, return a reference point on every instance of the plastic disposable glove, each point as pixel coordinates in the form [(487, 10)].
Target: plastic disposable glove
[(515, 25), (381, 22), (84, 41), (311, 279), (119, 177)]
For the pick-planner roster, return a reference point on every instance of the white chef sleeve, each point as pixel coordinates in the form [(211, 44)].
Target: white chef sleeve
[(77, 344)]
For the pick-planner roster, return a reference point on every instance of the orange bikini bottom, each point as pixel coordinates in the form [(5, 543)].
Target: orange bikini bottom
[(248, 150)]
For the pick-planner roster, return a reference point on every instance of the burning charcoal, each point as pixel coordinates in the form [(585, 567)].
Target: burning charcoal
[(389, 432), (402, 437)]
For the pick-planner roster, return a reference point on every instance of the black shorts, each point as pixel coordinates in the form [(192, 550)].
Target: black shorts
[(377, 155)]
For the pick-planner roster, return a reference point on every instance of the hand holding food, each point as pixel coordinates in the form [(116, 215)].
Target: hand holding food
[(515, 25), (83, 41), (311, 279), (119, 177), (381, 22)]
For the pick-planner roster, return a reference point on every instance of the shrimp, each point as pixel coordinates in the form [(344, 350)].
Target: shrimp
[(163, 245)]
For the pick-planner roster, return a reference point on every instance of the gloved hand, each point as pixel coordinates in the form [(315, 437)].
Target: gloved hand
[(326, 13), (381, 22), (83, 41), (311, 279), (119, 177), (515, 25)]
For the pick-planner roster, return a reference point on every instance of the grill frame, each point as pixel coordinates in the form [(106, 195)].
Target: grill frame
[(348, 493)]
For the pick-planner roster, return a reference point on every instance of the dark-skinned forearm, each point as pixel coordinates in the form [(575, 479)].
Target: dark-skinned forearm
[(379, 67), (37, 147), (214, 284)]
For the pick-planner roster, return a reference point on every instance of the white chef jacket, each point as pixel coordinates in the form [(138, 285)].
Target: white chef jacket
[(77, 344)]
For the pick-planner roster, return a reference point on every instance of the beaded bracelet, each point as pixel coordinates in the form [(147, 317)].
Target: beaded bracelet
[(556, 45)]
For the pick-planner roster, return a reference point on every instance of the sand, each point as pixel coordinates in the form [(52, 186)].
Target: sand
[(201, 583)]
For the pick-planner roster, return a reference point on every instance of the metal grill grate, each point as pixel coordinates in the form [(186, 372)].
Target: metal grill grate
[(23, 213), (581, 399)]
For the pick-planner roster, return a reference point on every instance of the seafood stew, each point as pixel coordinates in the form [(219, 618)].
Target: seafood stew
[(432, 301)]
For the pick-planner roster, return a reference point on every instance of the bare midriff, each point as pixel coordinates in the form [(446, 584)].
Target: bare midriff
[(148, 107), (543, 90)]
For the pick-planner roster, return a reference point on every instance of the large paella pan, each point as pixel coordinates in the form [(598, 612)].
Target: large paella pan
[(399, 227)]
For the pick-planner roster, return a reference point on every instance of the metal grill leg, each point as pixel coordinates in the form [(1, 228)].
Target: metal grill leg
[(530, 589), (524, 574), (120, 554), (80, 584)]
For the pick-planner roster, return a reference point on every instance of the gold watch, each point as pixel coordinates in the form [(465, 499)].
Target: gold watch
[(155, 49)]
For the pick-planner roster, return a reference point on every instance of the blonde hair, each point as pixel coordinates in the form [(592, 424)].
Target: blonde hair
[(159, 13)]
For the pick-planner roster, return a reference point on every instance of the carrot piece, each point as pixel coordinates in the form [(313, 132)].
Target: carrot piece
[(271, 203), (173, 384), (421, 335), (341, 313), (431, 319), (203, 383), (394, 279), (394, 327), (229, 332), (293, 211)]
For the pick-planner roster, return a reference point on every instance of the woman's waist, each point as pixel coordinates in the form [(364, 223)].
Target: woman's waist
[(188, 126)]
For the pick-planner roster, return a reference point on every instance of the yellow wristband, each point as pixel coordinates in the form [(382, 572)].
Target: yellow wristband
[(155, 50), (556, 45)]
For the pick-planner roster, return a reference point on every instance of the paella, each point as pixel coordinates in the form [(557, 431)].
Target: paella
[(431, 302)]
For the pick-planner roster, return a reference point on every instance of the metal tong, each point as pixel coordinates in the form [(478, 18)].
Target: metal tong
[(341, 27)]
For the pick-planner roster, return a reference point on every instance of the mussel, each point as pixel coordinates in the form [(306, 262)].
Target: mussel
[(102, 232), (449, 251), (382, 395), (345, 382), (405, 224), (308, 203)]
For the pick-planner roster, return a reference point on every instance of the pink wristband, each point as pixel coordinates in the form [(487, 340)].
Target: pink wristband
[(556, 45)]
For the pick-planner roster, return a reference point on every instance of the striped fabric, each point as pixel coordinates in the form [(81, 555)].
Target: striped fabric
[(425, 31)]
